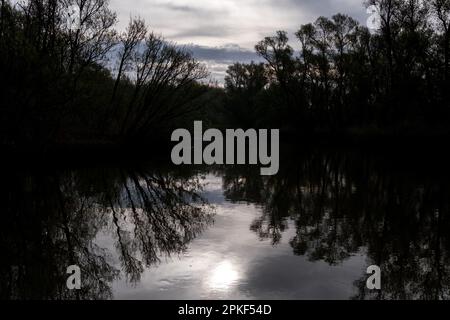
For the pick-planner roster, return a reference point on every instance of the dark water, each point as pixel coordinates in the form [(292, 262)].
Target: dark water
[(151, 232)]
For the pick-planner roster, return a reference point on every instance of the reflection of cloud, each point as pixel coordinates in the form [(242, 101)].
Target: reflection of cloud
[(297, 278)]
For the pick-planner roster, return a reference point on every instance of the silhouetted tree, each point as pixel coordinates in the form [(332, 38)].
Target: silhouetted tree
[(58, 85), (345, 77)]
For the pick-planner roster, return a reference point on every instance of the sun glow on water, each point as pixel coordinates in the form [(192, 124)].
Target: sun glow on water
[(223, 276)]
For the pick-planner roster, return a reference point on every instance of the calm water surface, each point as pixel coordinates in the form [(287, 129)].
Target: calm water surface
[(189, 233), (230, 261)]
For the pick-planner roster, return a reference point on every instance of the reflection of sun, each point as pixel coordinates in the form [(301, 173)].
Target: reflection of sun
[(223, 276)]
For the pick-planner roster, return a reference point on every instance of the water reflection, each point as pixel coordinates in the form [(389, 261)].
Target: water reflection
[(309, 232), (51, 220), (342, 203), (223, 276)]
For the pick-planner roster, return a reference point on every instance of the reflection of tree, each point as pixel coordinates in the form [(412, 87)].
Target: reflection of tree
[(52, 221), (345, 204)]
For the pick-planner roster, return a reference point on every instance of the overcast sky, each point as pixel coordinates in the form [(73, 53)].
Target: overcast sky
[(223, 31)]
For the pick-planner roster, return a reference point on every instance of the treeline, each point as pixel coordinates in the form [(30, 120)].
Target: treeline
[(75, 79), (347, 78), (85, 83)]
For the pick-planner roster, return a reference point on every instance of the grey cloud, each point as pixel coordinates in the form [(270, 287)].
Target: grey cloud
[(240, 21), (183, 8), (203, 32), (193, 10), (217, 59), (227, 53), (315, 8), (212, 25)]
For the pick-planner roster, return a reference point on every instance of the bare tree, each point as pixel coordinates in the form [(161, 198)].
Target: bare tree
[(163, 74), (94, 36), (278, 54), (388, 10), (129, 42), (441, 10)]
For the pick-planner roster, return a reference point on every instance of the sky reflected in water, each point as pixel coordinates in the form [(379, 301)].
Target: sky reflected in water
[(154, 232), (228, 261)]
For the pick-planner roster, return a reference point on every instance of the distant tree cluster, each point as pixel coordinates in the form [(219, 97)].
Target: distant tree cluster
[(347, 77), (84, 81)]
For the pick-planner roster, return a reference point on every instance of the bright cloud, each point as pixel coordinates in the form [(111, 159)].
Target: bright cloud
[(222, 25)]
